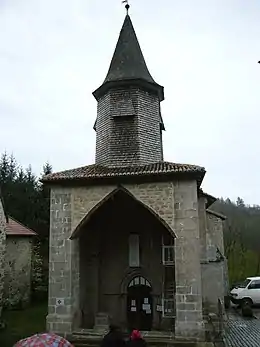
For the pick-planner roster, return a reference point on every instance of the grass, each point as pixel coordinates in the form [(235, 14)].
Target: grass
[(23, 323)]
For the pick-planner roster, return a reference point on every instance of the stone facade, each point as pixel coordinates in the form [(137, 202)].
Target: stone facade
[(64, 264), (17, 280), (15, 261), (214, 263), (175, 202)]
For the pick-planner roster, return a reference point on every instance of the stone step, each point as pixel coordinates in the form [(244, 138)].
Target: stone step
[(93, 340), (159, 344)]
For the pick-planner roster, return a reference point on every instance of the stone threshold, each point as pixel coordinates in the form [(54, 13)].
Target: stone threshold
[(99, 333), (92, 337)]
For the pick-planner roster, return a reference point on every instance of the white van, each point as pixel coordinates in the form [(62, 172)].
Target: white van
[(246, 292)]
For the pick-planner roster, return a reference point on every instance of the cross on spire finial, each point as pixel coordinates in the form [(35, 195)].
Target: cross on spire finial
[(127, 6)]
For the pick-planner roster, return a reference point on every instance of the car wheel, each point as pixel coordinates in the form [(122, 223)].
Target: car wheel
[(247, 302)]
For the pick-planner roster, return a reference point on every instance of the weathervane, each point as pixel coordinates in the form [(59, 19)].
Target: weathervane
[(127, 6)]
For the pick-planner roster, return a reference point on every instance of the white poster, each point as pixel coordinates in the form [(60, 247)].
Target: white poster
[(159, 308), (148, 311), (146, 307), (133, 309), (132, 302), (146, 301)]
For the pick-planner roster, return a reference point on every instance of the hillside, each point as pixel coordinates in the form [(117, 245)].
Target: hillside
[(242, 237)]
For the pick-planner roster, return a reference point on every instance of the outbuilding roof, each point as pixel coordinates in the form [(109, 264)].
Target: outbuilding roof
[(15, 228)]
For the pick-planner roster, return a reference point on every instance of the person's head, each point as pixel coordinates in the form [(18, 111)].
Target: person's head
[(136, 335)]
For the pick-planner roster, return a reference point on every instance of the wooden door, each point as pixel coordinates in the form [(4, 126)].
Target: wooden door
[(139, 308)]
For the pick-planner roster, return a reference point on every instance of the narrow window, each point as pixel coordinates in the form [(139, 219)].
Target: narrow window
[(168, 309), (168, 255), (134, 256)]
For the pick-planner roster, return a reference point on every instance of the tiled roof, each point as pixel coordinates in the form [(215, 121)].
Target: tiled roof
[(15, 228), (101, 172)]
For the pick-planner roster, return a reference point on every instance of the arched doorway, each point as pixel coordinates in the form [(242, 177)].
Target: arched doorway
[(139, 304), (109, 224)]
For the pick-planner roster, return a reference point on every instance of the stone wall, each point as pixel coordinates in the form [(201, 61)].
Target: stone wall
[(203, 228), (189, 322), (215, 238), (212, 289), (2, 252), (63, 264), (128, 130), (175, 202), (214, 266), (17, 281)]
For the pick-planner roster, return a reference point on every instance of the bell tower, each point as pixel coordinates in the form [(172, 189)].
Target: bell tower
[(129, 124)]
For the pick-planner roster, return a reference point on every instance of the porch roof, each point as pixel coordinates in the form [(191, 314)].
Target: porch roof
[(95, 171)]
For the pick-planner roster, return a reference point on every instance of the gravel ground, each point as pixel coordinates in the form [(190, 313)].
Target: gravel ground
[(240, 331)]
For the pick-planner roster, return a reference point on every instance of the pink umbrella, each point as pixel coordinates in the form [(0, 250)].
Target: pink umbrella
[(43, 340)]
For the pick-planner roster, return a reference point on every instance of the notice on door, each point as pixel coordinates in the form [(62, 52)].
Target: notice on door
[(159, 308), (132, 302), (133, 309), (146, 307)]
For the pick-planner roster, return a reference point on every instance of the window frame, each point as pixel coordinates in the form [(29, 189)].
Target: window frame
[(170, 252), (254, 282), (134, 250), (165, 313)]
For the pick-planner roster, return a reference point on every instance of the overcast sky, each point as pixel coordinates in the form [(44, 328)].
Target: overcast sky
[(54, 54)]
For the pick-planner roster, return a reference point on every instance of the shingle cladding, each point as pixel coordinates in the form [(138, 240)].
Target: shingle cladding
[(116, 135), (149, 129), (128, 133), (129, 123)]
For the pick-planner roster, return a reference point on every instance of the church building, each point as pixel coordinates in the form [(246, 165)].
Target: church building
[(132, 241)]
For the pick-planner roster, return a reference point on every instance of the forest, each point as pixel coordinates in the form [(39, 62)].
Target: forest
[(27, 200)]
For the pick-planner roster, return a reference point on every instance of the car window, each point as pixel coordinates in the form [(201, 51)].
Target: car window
[(254, 284), (243, 284)]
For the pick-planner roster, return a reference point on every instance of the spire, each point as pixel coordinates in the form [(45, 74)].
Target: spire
[(128, 64)]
